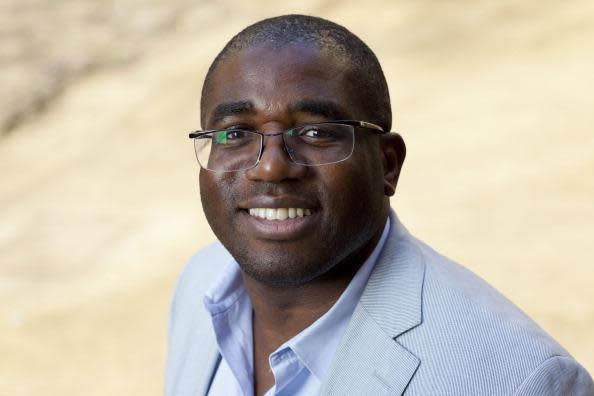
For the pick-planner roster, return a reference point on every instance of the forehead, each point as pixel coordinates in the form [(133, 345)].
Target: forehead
[(273, 80)]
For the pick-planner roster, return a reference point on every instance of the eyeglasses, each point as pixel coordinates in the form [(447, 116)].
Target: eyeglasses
[(236, 149)]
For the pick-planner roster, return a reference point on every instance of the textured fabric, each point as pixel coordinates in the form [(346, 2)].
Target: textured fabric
[(423, 326), (300, 364)]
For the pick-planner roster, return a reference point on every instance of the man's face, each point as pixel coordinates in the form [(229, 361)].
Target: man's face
[(269, 91)]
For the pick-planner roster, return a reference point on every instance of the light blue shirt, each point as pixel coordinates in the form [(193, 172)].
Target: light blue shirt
[(301, 363)]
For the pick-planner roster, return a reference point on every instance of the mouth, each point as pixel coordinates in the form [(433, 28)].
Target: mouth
[(279, 214), (280, 224)]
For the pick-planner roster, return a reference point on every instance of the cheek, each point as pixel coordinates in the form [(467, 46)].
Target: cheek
[(372, 167), (207, 191), (353, 191), (216, 194), (359, 188)]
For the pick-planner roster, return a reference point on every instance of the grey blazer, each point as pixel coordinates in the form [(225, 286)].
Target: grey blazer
[(424, 326)]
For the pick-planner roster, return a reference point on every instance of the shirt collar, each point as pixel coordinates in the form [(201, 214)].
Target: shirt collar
[(226, 291), (231, 314), (314, 346)]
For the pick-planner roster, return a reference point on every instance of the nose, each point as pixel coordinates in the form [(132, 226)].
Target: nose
[(275, 165)]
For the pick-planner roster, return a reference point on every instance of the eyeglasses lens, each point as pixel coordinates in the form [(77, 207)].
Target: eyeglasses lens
[(235, 149)]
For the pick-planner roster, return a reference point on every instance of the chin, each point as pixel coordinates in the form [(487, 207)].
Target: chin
[(282, 269)]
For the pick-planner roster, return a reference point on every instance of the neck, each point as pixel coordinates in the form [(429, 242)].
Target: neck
[(280, 313), (283, 312)]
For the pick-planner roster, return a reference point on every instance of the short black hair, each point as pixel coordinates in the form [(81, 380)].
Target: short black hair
[(369, 82)]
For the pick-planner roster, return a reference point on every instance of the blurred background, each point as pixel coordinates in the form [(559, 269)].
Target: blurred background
[(99, 204)]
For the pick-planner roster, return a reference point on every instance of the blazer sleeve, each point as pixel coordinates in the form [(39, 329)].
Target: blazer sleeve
[(558, 375)]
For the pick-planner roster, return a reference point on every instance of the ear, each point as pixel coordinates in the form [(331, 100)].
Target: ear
[(393, 154)]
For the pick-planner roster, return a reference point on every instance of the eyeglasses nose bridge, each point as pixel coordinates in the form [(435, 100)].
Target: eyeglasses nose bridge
[(263, 136)]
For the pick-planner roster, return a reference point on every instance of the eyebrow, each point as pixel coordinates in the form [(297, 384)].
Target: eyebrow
[(323, 108), (232, 108)]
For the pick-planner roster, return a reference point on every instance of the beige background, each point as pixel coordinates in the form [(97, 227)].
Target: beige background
[(99, 203)]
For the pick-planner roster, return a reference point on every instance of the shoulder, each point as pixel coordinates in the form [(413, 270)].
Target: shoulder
[(192, 347), (204, 267), (199, 274), (462, 292), (558, 375), (473, 335)]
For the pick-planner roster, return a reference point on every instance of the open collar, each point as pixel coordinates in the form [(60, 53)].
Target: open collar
[(369, 359)]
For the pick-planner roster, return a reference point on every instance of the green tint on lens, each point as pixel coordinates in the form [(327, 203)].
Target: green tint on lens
[(221, 137)]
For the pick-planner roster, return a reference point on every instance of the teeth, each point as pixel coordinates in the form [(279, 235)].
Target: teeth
[(279, 213), (270, 214), (282, 213)]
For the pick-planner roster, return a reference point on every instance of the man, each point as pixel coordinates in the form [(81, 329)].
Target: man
[(315, 287)]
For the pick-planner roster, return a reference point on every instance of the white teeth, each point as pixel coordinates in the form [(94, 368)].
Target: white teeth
[(279, 213), (270, 213), (282, 213)]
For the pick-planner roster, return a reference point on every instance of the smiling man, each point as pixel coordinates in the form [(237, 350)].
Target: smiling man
[(315, 287)]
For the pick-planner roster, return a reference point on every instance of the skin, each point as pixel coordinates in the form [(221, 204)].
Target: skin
[(294, 276)]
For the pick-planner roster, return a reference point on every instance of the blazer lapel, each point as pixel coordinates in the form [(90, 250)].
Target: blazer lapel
[(369, 359)]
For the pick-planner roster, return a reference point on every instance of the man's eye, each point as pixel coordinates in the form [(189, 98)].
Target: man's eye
[(230, 136), (316, 133), (237, 134)]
